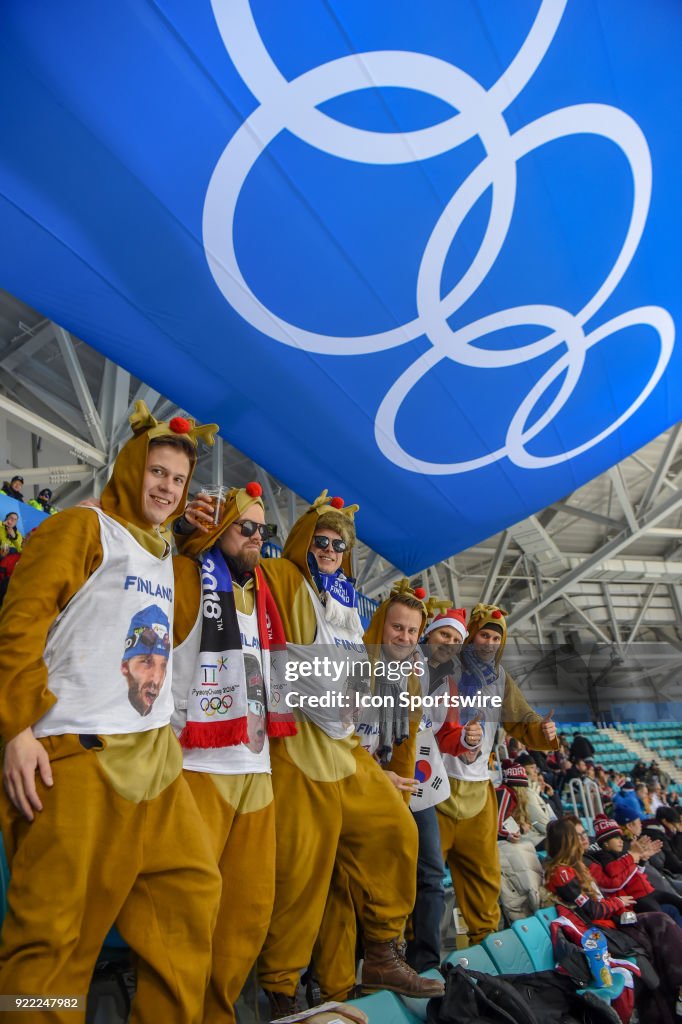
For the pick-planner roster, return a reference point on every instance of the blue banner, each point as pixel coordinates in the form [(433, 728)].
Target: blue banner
[(28, 517), (424, 255)]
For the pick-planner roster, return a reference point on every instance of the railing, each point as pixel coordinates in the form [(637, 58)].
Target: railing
[(584, 793)]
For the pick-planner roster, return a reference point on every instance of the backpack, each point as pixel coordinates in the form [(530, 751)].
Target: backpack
[(544, 997)]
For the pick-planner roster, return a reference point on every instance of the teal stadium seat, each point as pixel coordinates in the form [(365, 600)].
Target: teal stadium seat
[(536, 942), (474, 958), (385, 1008), (545, 915), (417, 1007), (508, 953)]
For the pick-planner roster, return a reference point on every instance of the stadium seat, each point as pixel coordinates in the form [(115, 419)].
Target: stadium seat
[(385, 1008), (475, 958), (417, 1007), (507, 953), (536, 942), (545, 915)]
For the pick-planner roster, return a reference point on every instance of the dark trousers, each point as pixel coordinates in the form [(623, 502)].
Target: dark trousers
[(423, 950)]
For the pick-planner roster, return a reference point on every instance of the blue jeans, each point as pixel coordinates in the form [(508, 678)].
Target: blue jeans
[(423, 951)]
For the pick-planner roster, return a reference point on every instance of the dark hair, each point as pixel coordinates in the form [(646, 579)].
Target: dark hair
[(564, 849), (183, 444), (408, 601)]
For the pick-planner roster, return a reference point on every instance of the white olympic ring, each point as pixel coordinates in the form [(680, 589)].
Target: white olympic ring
[(292, 105)]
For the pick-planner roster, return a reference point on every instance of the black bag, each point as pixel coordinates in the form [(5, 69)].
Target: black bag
[(544, 997)]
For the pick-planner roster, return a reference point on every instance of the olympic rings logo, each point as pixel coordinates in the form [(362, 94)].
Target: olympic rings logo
[(293, 105), (215, 705)]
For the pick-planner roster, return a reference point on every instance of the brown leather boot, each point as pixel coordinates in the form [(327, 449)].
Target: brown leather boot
[(383, 967), (281, 1005)]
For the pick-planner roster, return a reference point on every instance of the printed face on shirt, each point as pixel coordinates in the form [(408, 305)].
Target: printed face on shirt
[(487, 643), (328, 560), (443, 643), (244, 551), (402, 627), (255, 694), (164, 482), (145, 674)]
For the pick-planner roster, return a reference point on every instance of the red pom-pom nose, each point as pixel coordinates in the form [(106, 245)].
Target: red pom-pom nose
[(419, 593), (253, 489), (337, 503), (497, 614), (179, 425)]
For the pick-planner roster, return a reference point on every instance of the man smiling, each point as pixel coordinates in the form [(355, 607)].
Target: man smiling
[(99, 825)]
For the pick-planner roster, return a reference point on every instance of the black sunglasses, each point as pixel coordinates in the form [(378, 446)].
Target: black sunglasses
[(249, 527), (323, 543)]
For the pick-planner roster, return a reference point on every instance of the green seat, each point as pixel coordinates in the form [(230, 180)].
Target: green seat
[(385, 1008), (545, 915), (536, 942), (507, 952), (474, 958)]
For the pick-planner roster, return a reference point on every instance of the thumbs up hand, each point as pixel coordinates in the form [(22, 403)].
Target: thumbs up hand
[(549, 727), (473, 731)]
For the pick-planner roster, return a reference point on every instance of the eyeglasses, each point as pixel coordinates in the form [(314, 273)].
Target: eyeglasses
[(150, 638), (249, 527), (323, 543)]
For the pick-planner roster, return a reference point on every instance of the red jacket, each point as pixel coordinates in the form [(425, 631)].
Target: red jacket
[(564, 883), (620, 877)]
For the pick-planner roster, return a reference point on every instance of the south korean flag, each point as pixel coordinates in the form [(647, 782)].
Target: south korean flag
[(430, 773)]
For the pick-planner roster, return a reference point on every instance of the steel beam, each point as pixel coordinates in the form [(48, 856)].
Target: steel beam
[(585, 569), (38, 425), (20, 353), (80, 386), (640, 615), (67, 473), (495, 566), (662, 469), (618, 481)]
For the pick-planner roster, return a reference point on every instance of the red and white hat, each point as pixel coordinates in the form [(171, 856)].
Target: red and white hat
[(606, 828), (455, 617), (514, 775)]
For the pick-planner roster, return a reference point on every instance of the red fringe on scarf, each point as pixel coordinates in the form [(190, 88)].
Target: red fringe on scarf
[(280, 725), (214, 734)]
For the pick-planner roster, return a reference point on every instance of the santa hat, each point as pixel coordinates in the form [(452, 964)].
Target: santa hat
[(514, 775), (606, 828), (455, 617)]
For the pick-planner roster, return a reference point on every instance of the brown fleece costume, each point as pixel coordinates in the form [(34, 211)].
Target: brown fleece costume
[(336, 945), (468, 818), (238, 809), (334, 804), (119, 837)]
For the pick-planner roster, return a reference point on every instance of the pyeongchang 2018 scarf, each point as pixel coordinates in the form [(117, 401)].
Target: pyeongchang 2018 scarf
[(217, 702)]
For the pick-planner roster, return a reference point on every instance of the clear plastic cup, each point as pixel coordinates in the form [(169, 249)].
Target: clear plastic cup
[(216, 496)]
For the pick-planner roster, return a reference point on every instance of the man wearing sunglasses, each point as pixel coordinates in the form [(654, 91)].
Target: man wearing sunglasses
[(335, 805), (227, 701), (98, 822)]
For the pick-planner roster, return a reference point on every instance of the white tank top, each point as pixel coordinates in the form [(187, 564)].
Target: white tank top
[(235, 760), (109, 653), (338, 638)]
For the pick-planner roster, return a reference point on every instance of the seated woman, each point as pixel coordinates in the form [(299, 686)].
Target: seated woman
[(11, 541), (521, 868), (653, 937)]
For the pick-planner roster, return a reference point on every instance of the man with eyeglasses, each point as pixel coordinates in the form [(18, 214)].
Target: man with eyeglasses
[(99, 825), (227, 703)]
